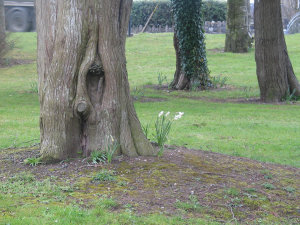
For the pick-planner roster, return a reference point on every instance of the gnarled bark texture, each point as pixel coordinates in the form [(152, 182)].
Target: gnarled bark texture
[(83, 83), (275, 73), (237, 31)]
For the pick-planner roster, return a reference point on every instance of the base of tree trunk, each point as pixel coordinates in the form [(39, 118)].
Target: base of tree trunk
[(83, 83), (275, 73)]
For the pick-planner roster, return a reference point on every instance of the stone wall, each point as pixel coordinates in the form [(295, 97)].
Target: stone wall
[(210, 27)]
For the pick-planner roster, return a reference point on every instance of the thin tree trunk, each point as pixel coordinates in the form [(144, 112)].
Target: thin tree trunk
[(180, 81), (3, 46), (237, 32), (83, 83), (275, 73)]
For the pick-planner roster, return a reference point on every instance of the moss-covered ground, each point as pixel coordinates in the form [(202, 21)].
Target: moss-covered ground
[(184, 185)]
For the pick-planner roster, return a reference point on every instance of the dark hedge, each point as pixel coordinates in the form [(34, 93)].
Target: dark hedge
[(212, 11)]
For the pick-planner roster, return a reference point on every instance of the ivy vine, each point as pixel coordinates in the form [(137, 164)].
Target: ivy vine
[(190, 33)]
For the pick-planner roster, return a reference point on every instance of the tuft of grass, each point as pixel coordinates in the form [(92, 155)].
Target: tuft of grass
[(105, 175), (34, 87), (289, 189), (267, 174), (107, 203), (146, 129), (233, 192), (191, 205), (138, 93), (33, 161), (161, 79), (98, 157), (268, 186), (218, 81)]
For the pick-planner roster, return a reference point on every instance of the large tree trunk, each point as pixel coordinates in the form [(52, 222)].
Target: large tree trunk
[(189, 43), (83, 84), (237, 32), (2, 31), (275, 73)]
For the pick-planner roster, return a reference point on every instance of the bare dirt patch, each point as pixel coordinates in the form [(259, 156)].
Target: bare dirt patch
[(193, 182), (148, 99), (216, 50), (5, 63)]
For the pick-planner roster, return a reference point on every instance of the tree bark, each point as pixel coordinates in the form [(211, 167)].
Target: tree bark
[(180, 81), (275, 73), (3, 46), (189, 43), (83, 84), (237, 32)]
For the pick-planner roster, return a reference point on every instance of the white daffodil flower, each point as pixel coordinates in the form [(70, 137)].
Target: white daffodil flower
[(161, 113)]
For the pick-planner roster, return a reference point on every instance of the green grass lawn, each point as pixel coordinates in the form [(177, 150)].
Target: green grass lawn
[(269, 133), (214, 121)]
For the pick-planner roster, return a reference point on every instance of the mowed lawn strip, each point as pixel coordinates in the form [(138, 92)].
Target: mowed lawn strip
[(268, 133)]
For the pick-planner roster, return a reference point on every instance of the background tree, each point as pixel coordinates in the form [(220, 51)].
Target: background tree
[(238, 22), (85, 102), (275, 73), (3, 46), (189, 44)]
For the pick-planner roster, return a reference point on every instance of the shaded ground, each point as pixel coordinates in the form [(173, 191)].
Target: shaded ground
[(249, 100), (9, 62), (189, 182)]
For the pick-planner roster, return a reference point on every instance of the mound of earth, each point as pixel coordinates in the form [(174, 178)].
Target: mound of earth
[(190, 182)]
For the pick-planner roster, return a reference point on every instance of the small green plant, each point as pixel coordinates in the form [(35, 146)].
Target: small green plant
[(98, 156), (22, 177), (250, 190), (268, 186), (146, 129), (191, 205), (32, 161), (195, 85), (267, 174), (105, 175), (289, 189), (247, 91), (235, 202), (138, 93), (290, 96), (218, 81), (161, 78), (233, 192), (122, 183), (107, 154), (34, 87), (110, 148), (162, 129), (107, 203)]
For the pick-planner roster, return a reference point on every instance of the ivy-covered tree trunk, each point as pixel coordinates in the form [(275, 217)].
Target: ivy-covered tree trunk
[(275, 73), (189, 43), (83, 85), (237, 30), (2, 31)]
